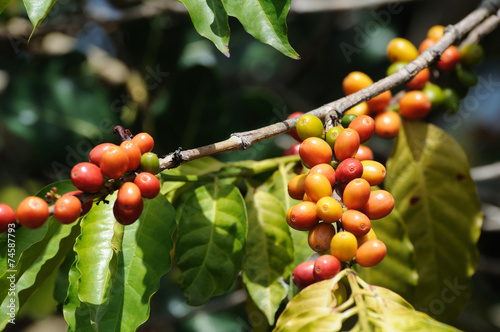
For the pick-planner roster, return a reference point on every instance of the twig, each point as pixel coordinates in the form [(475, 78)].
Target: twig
[(241, 141), (483, 29), (486, 172)]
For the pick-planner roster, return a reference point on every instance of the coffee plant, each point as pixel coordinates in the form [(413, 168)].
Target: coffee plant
[(323, 238)]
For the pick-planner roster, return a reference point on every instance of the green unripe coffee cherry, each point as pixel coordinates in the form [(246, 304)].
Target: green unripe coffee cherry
[(434, 93), (309, 126), (347, 119), (471, 54), (395, 67), (465, 76), (452, 99), (331, 135), (149, 163)]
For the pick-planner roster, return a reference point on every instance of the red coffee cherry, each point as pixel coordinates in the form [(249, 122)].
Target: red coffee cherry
[(364, 153), (317, 186), (303, 275), (96, 153), (7, 216), (414, 105), (348, 170), (293, 132), (418, 82), (356, 222), (133, 153), (314, 151), (380, 102), (129, 196), (347, 144), (32, 212), (67, 209), (320, 236), (387, 124), (425, 44), (114, 162), (379, 205), (303, 216), (449, 59), (293, 150), (356, 194), (85, 207), (326, 170), (127, 217), (326, 267), (144, 141), (296, 188), (371, 253), (364, 126), (87, 177), (148, 184)]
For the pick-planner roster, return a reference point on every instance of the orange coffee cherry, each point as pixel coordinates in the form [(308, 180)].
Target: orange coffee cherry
[(320, 237)]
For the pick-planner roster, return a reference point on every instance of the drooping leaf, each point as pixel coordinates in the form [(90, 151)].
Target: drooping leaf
[(211, 236), (312, 310), (319, 307), (265, 21), (95, 253), (76, 313), (37, 263), (269, 254), (397, 270), (38, 10), (142, 258), (428, 175), (210, 20)]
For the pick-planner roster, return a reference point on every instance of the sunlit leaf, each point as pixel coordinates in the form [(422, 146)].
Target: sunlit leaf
[(265, 20), (428, 175), (212, 227), (38, 10), (210, 20)]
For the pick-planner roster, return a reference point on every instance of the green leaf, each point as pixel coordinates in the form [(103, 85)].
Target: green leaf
[(142, 258), (3, 5), (37, 262), (428, 175), (372, 308), (76, 313), (37, 11), (269, 254), (265, 20), (210, 20), (212, 227), (95, 252), (397, 270), (311, 309)]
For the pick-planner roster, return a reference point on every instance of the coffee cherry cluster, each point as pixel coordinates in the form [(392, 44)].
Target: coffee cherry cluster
[(423, 92), (110, 166), (337, 200)]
